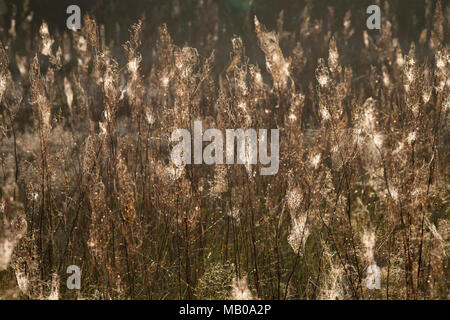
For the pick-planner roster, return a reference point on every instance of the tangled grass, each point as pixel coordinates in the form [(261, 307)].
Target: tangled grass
[(362, 190)]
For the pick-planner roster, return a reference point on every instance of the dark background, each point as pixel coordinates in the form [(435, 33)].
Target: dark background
[(187, 24), (410, 13)]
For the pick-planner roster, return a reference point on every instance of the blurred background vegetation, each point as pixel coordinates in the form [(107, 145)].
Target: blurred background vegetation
[(186, 22)]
